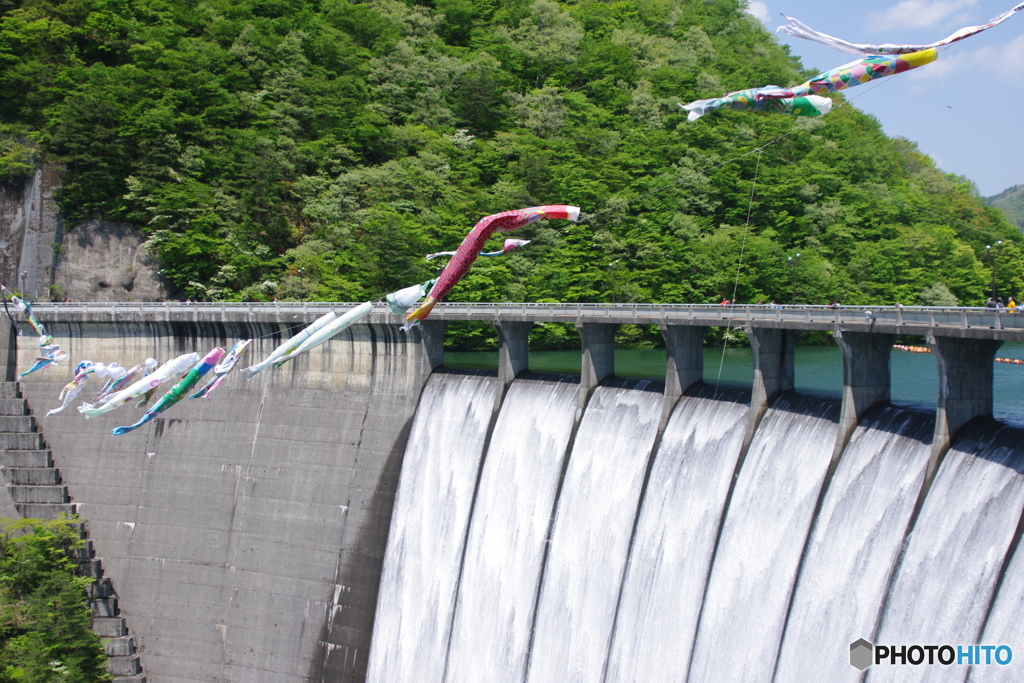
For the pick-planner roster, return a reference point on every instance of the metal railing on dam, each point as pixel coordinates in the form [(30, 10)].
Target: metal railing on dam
[(965, 322)]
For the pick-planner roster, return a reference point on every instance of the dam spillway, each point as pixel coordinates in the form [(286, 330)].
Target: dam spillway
[(545, 528)]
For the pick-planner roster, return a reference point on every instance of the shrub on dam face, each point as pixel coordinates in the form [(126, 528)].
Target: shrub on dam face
[(45, 622)]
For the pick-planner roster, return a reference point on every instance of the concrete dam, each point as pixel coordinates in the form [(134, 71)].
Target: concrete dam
[(363, 513)]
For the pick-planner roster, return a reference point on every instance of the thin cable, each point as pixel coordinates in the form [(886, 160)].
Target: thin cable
[(739, 266)]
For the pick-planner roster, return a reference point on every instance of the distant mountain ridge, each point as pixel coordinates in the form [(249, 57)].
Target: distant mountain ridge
[(1011, 202)]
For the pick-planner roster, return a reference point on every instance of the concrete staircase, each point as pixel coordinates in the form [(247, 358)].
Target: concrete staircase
[(36, 487)]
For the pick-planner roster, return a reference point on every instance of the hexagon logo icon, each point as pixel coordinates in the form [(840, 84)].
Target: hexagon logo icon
[(861, 654)]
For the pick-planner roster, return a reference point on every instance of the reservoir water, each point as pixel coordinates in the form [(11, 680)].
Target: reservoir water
[(818, 368)]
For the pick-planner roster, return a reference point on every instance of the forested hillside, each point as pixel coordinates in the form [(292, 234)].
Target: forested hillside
[(317, 149), (1011, 202)]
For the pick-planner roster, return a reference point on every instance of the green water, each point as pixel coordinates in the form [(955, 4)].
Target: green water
[(818, 368)]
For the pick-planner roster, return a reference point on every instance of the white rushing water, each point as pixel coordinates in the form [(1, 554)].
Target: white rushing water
[(428, 526), (1004, 625), (682, 508), (590, 538), (946, 580), (762, 541), (855, 544), (507, 536)]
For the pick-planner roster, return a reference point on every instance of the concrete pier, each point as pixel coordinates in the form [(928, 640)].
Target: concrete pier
[(684, 350), (774, 368), (965, 389), (684, 364), (430, 335), (513, 349), (598, 341), (866, 378)]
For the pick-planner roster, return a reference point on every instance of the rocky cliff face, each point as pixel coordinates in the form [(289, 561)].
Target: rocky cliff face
[(101, 261), (93, 261)]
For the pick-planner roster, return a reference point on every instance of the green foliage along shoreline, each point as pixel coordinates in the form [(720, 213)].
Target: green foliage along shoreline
[(317, 149), (45, 622)]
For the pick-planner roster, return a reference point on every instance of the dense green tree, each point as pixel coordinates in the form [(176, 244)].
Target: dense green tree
[(45, 624)]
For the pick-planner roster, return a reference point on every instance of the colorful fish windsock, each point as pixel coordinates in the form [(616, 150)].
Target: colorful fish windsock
[(473, 243), (50, 355), (322, 335), (177, 392), (151, 363), (798, 29), (24, 307), (29, 316), (401, 301), (119, 383), (806, 99), (509, 245), (73, 388), (864, 70), (159, 376), (761, 99), (114, 372), (221, 370), (289, 346)]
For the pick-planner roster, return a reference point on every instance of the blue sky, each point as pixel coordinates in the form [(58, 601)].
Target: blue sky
[(965, 110)]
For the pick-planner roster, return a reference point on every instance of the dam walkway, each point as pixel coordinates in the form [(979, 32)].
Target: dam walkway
[(964, 322)]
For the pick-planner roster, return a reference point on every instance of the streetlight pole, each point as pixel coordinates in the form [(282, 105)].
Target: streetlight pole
[(992, 256), (612, 267), (793, 262), (24, 274)]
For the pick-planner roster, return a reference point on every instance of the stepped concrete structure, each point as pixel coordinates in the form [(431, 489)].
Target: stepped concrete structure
[(35, 490), (245, 534)]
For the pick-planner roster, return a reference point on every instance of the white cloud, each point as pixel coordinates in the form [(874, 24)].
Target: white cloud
[(971, 71), (758, 9), (911, 14), (1004, 61), (938, 73)]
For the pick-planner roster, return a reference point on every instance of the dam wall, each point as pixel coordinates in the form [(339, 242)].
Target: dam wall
[(244, 534), (362, 514)]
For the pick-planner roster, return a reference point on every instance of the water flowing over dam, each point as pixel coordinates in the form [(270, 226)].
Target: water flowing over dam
[(656, 587), (364, 513)]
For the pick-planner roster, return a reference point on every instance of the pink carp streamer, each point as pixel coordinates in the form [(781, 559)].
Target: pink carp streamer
[(473, 244)]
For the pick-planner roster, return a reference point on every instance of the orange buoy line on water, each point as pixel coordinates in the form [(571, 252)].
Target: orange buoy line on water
[(912, 349), (925, 349)]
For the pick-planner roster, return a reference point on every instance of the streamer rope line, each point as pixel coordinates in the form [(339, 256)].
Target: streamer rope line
[(739, 267)]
